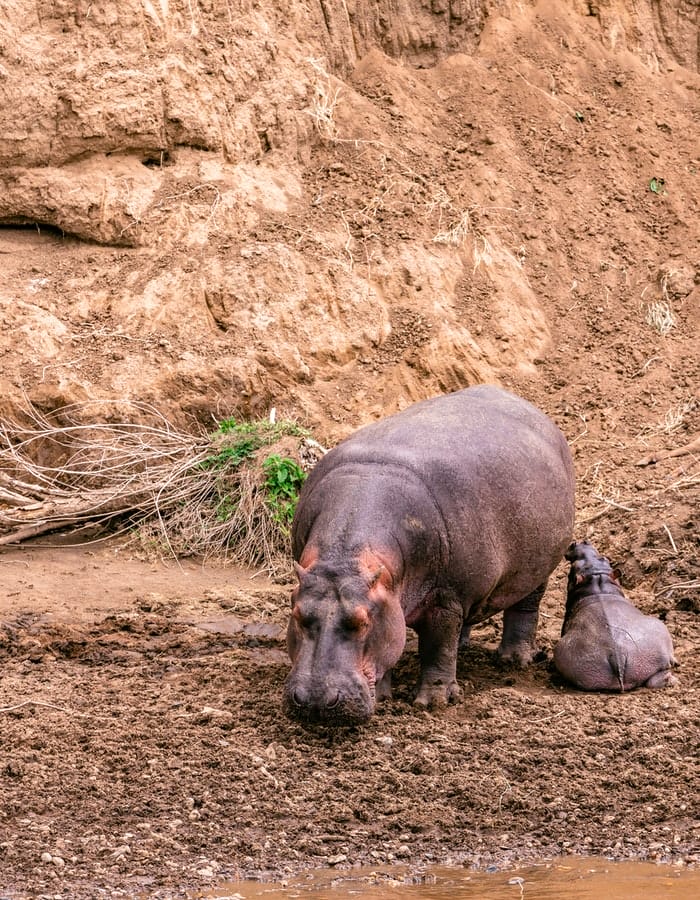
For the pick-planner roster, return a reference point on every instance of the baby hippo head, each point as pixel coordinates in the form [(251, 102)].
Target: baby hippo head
[(585, 563)]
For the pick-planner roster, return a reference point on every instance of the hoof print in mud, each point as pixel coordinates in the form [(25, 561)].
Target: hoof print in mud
[(438, 517)]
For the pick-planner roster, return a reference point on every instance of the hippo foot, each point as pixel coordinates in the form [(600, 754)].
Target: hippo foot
[(662, 679), (520, 655), (437, 695)]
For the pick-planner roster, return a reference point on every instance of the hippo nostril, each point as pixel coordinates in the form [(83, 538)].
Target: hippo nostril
[(296, 699), (332, 704)]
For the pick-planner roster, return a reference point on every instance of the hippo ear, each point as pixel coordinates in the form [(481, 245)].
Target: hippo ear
[(300, 571), (616, 575), (580, 578), (376, 576)]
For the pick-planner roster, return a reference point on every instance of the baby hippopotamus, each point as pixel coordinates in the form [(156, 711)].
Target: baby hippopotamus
[(606, 643)]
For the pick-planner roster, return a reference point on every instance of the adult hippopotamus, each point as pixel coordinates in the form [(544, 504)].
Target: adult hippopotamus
[(607, 644), (437, 517)]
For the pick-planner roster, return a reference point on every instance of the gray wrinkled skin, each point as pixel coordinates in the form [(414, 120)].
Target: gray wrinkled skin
[(438, 517), (607, 644)]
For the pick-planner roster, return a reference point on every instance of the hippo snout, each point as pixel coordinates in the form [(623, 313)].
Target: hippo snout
[(349, 704)]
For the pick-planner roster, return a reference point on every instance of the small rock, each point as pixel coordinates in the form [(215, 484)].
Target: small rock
[(46, 857), (335, 860)]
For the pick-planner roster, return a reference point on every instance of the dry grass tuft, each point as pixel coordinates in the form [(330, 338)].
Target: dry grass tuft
[(324, 103), (202, 495), (676, 415), (456, 233), (660, 316)]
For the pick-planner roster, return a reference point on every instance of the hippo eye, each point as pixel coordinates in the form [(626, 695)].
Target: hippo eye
[(305, 621), (357, 621)]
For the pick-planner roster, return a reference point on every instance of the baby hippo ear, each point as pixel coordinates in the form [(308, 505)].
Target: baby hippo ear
[(616, 575), (580, 578)]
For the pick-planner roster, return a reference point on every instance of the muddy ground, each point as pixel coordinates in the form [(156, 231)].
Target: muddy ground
[(143, 746), (333, 210)]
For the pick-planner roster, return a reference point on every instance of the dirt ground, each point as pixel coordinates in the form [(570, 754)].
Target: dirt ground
[(226, 207), (143, 746)]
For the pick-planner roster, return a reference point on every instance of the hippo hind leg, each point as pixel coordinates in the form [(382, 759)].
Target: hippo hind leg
[(519, 627), (664, 678)]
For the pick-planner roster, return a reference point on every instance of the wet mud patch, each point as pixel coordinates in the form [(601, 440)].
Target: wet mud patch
[(144, 748)]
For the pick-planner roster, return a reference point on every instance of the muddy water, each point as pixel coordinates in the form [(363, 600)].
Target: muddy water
[(576, 879)]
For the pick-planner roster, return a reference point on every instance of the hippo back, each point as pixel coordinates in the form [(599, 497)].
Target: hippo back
[(496, 470), (610, 645)]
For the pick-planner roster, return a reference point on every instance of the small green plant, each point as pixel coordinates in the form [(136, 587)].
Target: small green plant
[(231, 426), (232, 455), (265, 431), (237, 441), (283, 481), (253, 496)]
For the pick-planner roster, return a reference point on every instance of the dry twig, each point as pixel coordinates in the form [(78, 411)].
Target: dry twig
[(5, 709)]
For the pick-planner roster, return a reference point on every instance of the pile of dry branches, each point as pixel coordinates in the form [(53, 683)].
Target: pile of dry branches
[(127, 476)]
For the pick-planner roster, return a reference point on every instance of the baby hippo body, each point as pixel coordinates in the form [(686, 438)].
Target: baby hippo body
[(607, 644)]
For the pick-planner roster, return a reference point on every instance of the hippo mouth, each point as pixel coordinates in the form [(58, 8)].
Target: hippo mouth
[(334, 711)]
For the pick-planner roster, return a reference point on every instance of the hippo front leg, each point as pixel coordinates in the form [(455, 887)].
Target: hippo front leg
[(438, 639), (519, 627), (382, 689)]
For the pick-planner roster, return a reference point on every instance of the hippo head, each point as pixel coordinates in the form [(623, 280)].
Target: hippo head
[(590, 575), (345, 632), (585, 563)]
